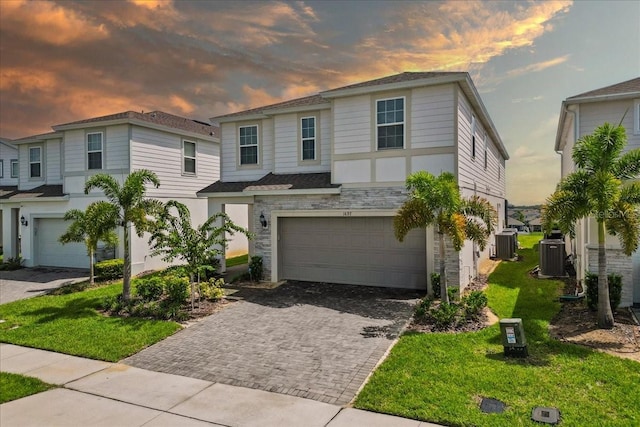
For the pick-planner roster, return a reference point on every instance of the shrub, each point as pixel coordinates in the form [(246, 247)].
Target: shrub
[(255, 268), (422, 308), (212, 289), (151, 309), (110, 269), (451, 292), (473, 303), (615, 290), (445, 315), (435, 284), (177, 289), (210, 268), (14, 263), (149, 289)]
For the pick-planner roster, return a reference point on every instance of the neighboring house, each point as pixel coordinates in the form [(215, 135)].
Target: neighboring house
[(535, 225), (54, 167), (8, 171), (324, 175), (515, 223), (579, 116)]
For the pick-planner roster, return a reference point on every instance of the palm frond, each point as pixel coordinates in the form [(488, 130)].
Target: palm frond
[(414, 213)]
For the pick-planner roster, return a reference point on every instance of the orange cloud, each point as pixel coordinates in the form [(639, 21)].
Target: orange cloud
[(49, 23), (182, 104)]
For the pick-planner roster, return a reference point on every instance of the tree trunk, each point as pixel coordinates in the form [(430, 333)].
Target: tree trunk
[(605, 315), (126, 270), (444, 294), (91, 280)]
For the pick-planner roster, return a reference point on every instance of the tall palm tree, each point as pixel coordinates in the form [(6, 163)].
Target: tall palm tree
[(132, 209), (91, 226), (601, 188), (437, 201)]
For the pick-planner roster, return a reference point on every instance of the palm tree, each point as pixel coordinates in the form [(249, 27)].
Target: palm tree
[(437, 201), (94, 224), (132, 208), (600, 188)]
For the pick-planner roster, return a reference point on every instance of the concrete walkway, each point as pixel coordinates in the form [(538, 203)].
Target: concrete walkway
[(31, 282), (94, 393)]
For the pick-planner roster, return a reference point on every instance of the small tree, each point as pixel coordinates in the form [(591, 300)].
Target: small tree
[(132, 208), (94, 224), (437, 201), (174, 237)]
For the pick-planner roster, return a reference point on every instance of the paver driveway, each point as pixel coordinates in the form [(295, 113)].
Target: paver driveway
[(313, 340), (30, 282)]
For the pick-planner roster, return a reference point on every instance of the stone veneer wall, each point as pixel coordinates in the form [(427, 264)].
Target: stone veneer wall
[(349, 199), (619, 263)]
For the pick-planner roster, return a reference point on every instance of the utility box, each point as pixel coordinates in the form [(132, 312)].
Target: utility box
[(552, 258), (506, 244), (513, 339)]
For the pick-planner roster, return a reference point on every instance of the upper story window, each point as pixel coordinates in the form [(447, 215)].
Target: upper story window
[(248, 145), (35, 162), (486, 148), (473, 137), (189, 157), (94, 150), (308, 132), (15, 168), (636, 117), (1, 168), (390, 123)]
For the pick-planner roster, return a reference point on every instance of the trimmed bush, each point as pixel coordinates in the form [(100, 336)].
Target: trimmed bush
[(473, 304), (177, 289), (149, 289), (615, 290), (435, 284), (110, 269), (445, 315), (255, 268), (212, 289), (422, 308)]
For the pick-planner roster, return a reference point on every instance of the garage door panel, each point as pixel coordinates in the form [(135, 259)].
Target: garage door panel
[(50, 252), (359, 250)]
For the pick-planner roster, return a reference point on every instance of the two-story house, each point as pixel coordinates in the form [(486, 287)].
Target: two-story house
[(8, 171), (324, 175), (53, 168), (579, 116)]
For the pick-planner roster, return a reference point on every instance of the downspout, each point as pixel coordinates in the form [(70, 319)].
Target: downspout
[(574, 249)]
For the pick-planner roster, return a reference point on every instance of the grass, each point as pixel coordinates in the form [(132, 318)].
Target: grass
[(442, 377), (72, 324), (238, 260), (14, 386)]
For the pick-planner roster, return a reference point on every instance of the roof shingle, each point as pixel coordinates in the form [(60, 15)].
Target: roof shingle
[(630, 86), (12, 192), (271, 181)]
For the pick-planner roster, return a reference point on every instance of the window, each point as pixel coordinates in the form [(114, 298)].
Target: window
[(14, 168), (94, 150), (390, 123), (249, 145), (189, 157), (35, 162), (308, 132), (485, 150), (473, 137), (636, 121)]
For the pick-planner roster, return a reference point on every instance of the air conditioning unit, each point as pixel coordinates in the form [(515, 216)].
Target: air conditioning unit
[(552, 258), (506, 244)]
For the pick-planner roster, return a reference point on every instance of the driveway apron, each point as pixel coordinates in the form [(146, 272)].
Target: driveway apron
[(314, 340)]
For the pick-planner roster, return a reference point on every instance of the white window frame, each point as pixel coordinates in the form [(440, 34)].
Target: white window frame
[(636, 117), (486, 149), (194, 158), (34, 163), (257, 145), (403, 123), (473, 137), (314, 139), (16, 163), (101, 150)]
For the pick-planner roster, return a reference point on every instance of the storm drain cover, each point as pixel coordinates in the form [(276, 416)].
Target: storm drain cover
[(542, 414), (492, 406)]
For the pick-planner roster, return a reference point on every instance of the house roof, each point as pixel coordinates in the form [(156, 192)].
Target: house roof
[(8, 143), (313, 100), (407, 76), (12, 193), (153, 117), (513, 221), (271, 182), (536, 221), (37, 138)]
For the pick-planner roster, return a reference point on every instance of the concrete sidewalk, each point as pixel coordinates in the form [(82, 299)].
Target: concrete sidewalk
[(95, 393)]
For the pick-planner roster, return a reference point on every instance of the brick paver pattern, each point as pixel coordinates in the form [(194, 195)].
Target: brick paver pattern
[(313, 340)]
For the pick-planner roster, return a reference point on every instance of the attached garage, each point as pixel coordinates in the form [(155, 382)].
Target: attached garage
[(50, 252), (351, 250)]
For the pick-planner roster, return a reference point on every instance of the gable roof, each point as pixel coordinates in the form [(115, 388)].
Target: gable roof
[(153, 117), (618, 90), (8, 143), (397, 81)]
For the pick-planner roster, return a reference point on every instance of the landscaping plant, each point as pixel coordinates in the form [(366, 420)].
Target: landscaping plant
[(615, 290), (109, 269)]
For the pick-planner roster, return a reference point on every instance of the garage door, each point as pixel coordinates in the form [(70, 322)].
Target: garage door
[(356, 250), (50, 252)]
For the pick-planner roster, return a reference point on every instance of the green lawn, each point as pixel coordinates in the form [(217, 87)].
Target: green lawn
[(14, 386), (441, 377), (72, 324), (237, 260)]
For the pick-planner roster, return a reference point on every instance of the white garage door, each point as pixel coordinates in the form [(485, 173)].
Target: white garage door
[(356, 250), (50, 252)]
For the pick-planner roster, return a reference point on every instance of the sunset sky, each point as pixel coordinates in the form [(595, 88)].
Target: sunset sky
[(69, 60)]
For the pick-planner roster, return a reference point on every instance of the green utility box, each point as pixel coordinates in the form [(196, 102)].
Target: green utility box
[(513, 339)]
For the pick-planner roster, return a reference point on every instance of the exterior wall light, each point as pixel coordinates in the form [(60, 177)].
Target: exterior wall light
[(24, 221), (263, 220)]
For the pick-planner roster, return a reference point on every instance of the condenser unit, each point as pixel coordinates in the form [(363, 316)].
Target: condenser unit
[(506, 244), (552, 258)]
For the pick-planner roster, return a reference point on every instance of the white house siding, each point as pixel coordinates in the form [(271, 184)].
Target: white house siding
[(53, 170), (117, 148), (74, 151), (286, 144), (595, 114), (434, 163), (619, 263), (352, 125), (229, 141), (161, 152), (325, 139), (432, 114), (7, 154)]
